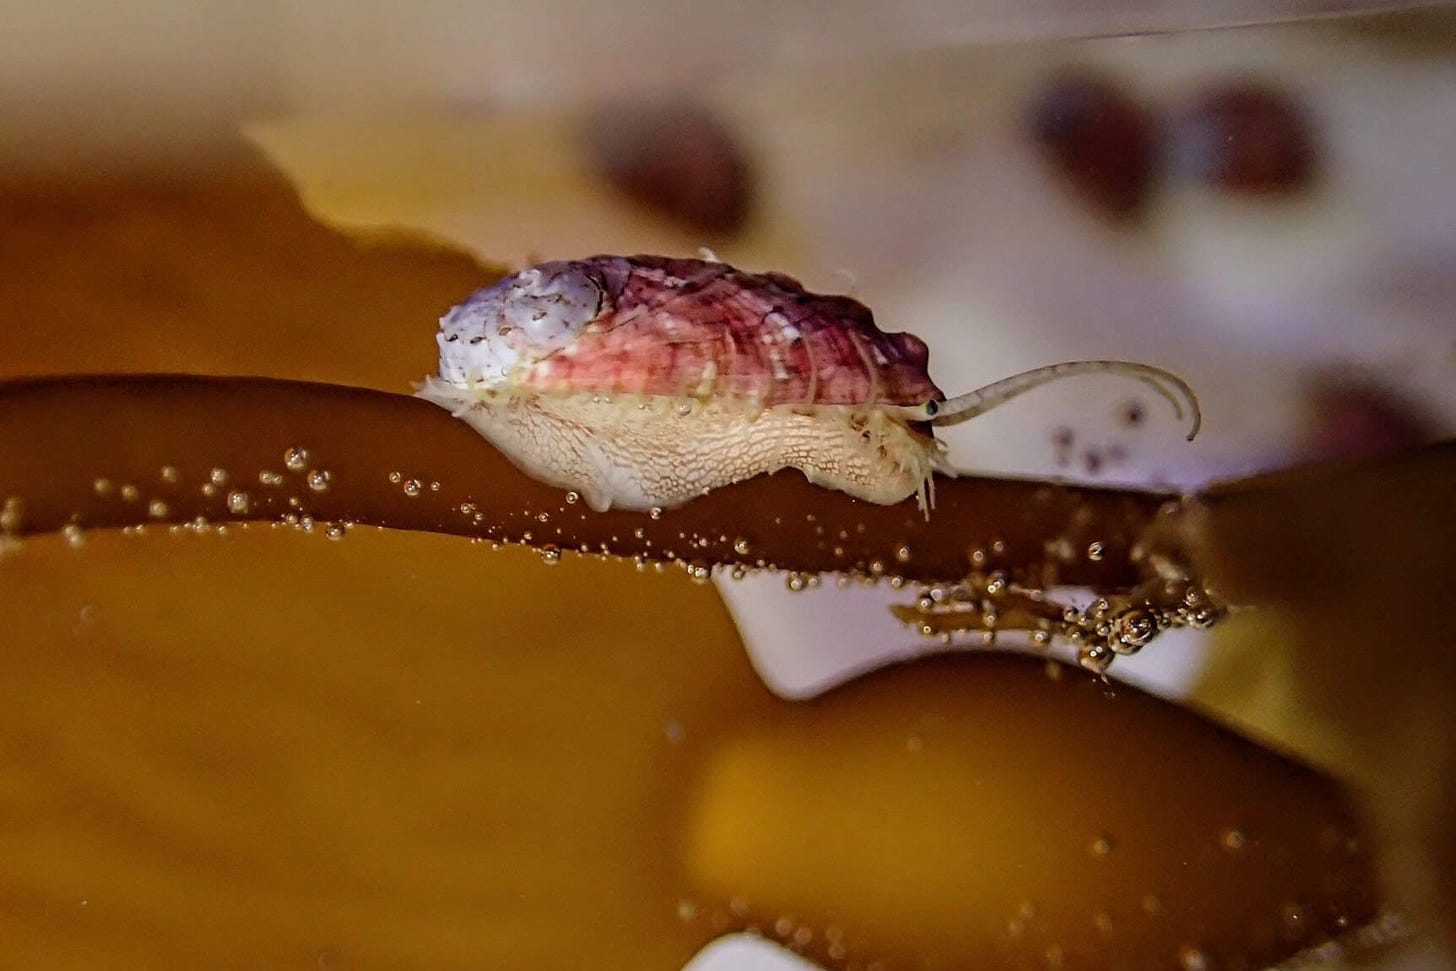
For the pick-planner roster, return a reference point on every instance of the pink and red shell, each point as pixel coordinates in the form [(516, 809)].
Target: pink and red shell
[(676, 327)]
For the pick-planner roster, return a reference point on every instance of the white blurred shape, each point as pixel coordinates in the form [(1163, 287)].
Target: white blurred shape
[(744, 952)]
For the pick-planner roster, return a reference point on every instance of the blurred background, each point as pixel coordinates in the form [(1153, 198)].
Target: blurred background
[(1255, 195)]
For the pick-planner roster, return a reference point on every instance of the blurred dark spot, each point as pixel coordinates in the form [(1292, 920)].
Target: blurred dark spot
[(678, 159), (1245, 138), (1092, 461), (1099, 139), (1131, 413), (1353, 418), (1116, 454), (1062, 440)]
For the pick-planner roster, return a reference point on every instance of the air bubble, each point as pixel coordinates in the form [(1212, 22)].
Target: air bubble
[(742, 546), (412, 488), (395, 477), (296, 459), (1102, 846), (103, 487), (158, 509), (11, 514), (1096, 658), (238, 502), (550, 555), (572, 498), (1192, 959), (902, 554), (1095, 552), (269, 479), (655, 512), (130, 493), (318, 479), (796, 582), (169, 473), (73, 535), (1233, 839), (218, 477), (335, 531), (698, 571)]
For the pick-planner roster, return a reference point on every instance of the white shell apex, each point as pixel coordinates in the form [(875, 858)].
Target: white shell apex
[(499, 331)]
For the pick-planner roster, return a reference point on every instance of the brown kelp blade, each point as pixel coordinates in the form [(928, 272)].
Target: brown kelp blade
[(111, 451)]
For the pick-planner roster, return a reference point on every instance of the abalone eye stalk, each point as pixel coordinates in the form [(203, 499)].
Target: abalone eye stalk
[(964, 407)]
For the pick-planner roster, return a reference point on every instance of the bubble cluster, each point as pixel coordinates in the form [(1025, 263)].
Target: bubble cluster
[(1111, 626)]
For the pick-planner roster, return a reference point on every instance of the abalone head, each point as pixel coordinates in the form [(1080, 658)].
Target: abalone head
[(502, 330)]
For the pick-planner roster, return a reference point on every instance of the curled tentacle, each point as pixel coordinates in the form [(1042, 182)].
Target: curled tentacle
[(966, 406)]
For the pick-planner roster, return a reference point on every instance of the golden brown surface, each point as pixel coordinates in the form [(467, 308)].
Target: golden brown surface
[(1346, 560), (266, 749)]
